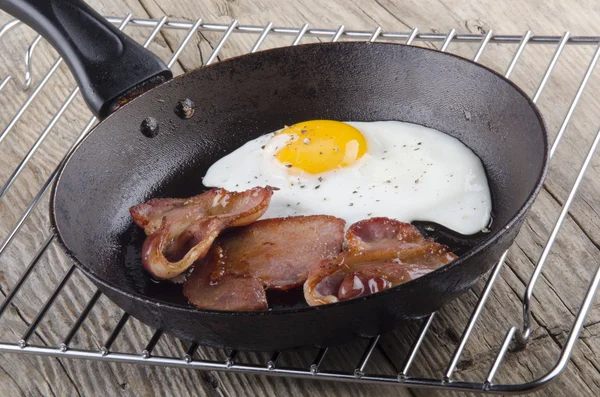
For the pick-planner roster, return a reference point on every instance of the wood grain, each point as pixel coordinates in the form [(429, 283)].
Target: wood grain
[(557, 296)]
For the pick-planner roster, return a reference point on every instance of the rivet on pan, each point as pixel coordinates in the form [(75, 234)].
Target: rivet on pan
[(185, 108), (149, 127)]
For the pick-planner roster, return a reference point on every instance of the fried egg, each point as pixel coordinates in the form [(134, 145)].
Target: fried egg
[(358, 170)]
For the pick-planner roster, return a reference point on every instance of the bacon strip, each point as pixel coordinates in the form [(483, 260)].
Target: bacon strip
[(181, 231), (381, 254), (280, 251), (231, 292), (276, 253)]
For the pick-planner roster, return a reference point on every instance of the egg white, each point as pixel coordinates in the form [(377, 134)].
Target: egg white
[(409, 173)]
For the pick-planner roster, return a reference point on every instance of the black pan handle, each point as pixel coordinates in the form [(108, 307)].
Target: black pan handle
[(109, 67)]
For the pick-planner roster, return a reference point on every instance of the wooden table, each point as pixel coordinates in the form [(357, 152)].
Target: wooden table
[(557, 297)]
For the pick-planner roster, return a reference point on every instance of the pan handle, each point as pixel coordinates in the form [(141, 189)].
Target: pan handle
[(109, 66)]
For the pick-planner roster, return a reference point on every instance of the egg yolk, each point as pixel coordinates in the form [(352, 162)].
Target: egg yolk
[(321, 145)]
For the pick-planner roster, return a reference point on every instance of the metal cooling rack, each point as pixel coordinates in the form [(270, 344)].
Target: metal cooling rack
[(519, 333)]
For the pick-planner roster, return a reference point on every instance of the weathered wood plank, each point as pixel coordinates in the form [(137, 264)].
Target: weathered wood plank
[(556, 299)]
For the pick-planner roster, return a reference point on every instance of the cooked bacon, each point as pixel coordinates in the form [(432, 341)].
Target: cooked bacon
[(276, 253), (381, 254), (382, 235), (181, 231), (280, 251), (231, 292), (371, 277)]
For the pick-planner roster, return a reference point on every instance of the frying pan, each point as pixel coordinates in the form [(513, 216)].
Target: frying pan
[(117, 165)]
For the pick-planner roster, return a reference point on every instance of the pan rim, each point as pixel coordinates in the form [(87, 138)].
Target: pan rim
[(486, 243)]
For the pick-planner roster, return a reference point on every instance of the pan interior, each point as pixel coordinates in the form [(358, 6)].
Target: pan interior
[(117, 167)]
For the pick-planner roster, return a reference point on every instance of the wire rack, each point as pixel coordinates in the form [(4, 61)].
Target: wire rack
[(517, 334)]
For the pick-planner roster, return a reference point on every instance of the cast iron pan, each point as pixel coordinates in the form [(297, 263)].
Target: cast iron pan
[(237, 100)]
